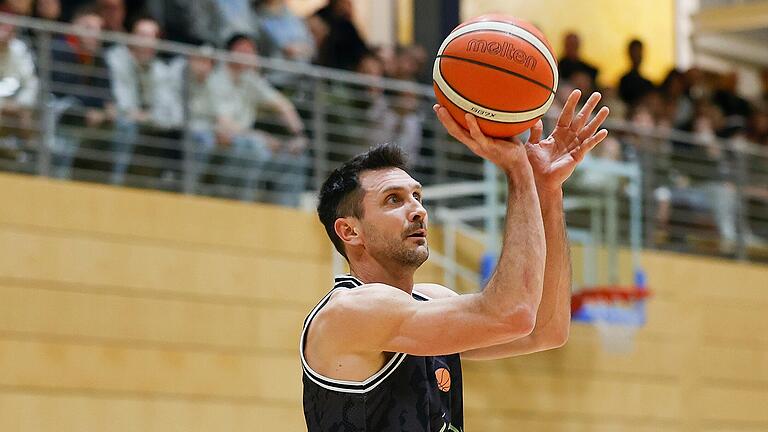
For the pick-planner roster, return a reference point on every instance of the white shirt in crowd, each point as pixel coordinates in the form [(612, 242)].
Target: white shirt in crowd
[(156, 88), (17, 74), (238, 100)]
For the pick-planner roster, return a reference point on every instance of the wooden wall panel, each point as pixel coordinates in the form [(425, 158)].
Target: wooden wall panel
[(130, 310), (72, 412)]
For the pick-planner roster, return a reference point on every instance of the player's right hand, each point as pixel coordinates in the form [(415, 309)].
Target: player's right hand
[(508, 155)]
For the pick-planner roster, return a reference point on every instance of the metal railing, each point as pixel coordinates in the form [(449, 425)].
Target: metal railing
[(698, 195)]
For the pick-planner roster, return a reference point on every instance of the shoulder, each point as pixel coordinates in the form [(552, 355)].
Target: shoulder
[(433, 291)]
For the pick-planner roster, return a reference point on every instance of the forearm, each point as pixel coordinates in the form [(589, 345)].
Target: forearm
[(516, 285), (291, 118), (554, 310)]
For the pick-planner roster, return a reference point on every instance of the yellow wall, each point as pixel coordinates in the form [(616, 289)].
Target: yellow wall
[(130, 310), (605, 26)]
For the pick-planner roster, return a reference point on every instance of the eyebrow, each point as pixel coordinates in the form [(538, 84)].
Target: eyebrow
[(394, 188)]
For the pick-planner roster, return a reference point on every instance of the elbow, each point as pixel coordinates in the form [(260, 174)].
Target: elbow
[(559, 337), (519, 322)]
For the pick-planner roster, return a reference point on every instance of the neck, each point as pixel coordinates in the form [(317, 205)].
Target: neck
[(371, 271)]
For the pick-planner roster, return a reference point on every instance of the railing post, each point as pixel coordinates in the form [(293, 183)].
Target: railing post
[(189, 168), (44, 98), (320, 132), (742, 216)]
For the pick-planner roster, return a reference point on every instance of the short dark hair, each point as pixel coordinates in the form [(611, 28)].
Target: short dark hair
[(341, 195), (237, 37), (635, 43), (84, 10)]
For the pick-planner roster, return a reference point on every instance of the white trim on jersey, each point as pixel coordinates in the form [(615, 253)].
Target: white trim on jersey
[(336, 385), (484, 111)]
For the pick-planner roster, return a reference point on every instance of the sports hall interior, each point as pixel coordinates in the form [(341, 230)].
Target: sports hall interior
[(166, 305)]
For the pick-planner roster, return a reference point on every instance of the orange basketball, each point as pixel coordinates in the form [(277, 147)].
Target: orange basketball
[(443, 379), (499, 68)]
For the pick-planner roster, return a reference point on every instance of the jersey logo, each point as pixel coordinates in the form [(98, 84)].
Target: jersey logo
[(443, 379)]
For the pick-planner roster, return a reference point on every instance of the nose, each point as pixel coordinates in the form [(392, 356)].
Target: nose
[(418, 212)]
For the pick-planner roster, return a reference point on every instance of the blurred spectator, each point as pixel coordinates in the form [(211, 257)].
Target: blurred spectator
[(83, 101), (701, 180), (342, 47), (178, 19), (735, 108), (572, 62), (201, 103), (147, 94), (113, 13), (394, 118), (240, 92), (678, 107), (387, 56), (409, 62), (17, 7), (633, 86), (18, 91), (205, 21), (288, 34), (289, 39), (47, 9)]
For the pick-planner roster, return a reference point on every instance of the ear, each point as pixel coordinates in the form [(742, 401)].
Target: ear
[(348, 230)]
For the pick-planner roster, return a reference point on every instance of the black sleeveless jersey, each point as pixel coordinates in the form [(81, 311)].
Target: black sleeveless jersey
[(410, 393)]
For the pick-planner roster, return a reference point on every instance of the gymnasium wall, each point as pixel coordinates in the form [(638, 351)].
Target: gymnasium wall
[(605, 26), (128, 310)]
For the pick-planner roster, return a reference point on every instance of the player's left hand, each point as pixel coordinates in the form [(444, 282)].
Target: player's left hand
[(553, 159)]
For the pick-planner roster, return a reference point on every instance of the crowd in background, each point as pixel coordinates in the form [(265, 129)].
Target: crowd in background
[(138, 101), (697, 178)]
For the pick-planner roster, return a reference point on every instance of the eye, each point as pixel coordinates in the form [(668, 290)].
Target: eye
[(392, 199), (417, 195)]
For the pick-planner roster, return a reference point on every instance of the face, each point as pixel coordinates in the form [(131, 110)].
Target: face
[(243, 49), (93, 23), (572, 45), (49, 9), (200, 67), (113, 12), (636, 54), (149, 31), (393, 228)]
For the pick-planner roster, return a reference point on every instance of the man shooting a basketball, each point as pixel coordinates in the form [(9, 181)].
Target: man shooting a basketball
[(381, 353)]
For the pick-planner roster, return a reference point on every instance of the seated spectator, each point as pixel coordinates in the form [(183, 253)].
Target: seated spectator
[(633, 85), (343, 47), (409, 62), (147, 94), (288, 34), (113, 13), (393, 118), (764, 88), (735, 108), (47, 9), (249, 153), (678, 107), (18, 92), (289, 38), (205, 21), (202, 110), (571, 61), (83, 98), (17, 7), (701, 181)]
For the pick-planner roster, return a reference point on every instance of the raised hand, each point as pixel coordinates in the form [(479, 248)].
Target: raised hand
[(508, 155), (553, 159)]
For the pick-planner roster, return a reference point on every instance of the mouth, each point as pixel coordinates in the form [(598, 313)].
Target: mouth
[(422, 233)]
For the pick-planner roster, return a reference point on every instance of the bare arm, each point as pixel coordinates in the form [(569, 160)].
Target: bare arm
[(553, 161), (378, 317)]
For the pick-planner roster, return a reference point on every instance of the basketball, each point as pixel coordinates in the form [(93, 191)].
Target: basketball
[(443, 379), (500, 69)]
